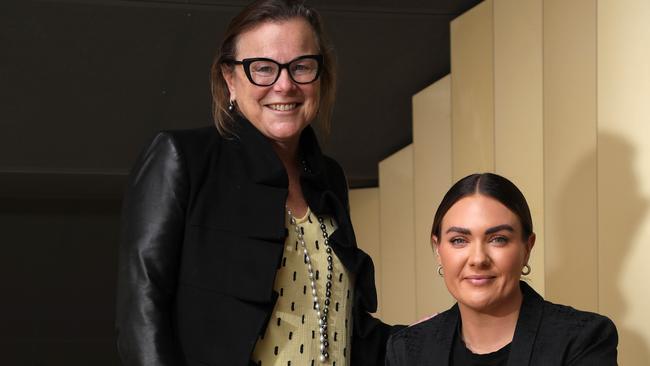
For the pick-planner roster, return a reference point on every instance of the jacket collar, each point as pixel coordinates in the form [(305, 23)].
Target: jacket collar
[(266, 171), (445, 337), (263, 164), (530, 317), (322, 191)]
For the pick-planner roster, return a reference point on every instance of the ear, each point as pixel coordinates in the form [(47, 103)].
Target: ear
[(228, 74), (529, 246), (436, 244)]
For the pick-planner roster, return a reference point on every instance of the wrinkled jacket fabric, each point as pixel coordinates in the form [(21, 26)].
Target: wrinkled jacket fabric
[(202, 238)]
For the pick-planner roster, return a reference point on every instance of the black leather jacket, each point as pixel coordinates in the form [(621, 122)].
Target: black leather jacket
[(203, 233)]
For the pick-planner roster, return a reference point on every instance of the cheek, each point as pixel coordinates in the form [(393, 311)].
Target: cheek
[(451, 261), (244, 90), (251, 95), (512, 262), (312, 93)]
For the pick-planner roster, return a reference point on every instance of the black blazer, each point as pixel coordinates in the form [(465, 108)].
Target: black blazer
[(546, 334), (202, 238)]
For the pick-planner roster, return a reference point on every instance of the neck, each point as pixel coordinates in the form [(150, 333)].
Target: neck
[(288, 154), (488, 331)]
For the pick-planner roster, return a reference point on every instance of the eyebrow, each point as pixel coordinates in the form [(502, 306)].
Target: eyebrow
[(492, 230), (498, 228), (460, 230)]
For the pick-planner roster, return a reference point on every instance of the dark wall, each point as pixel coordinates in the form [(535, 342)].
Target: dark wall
[(83, 85), (58, 277)]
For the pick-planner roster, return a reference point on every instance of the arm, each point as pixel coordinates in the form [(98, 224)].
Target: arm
[(596, 344), (370, 334), (153, 221)]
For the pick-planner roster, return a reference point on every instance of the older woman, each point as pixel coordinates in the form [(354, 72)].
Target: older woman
[(482, 235), (237, 243)]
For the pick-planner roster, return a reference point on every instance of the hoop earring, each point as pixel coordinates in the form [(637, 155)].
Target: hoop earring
[(440, 271), (526, 270), (231, 106)]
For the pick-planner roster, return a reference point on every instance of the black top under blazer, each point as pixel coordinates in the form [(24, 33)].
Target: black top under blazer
[(203, 235), (546, 334)]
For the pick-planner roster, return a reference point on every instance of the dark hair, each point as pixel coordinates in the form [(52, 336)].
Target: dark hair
[(490, 185), (259, 12)]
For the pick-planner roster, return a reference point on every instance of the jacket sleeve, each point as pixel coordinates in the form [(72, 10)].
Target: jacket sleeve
[(370, 339), (596, 344), (370, 334), (395, 351), (153, 221)]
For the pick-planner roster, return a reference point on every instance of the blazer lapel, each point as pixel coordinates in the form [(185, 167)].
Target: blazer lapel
[(530, 317), (446, 338)]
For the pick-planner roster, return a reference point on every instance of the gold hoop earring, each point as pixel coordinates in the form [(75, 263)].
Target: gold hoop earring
[(526, 270), (440, 271)]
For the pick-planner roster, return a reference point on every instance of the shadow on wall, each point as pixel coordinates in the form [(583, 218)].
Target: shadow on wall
[(626, 212), (626, 209)]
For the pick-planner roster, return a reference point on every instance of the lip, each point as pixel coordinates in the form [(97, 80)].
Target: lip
[(479, 280), (295, 105)]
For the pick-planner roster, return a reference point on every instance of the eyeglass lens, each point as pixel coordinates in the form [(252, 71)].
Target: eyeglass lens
[(265, 72)]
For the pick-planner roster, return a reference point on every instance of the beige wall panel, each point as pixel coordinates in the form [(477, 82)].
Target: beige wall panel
[(570, 153), (432, 179), (396, 232), (518, 110), (623, 173), (364, 212), (472, 89)]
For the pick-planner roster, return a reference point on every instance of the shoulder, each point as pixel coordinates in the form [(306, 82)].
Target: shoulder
[(428, 326), (573, 320), (175, 153), (412, 342), (190, 140), (589, 337), (334, 169), (190, 148), (336, 177), (560, 321), (182, 140)]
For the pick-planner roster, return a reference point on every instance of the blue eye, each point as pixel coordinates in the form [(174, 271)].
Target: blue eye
[(499, 240), (457, 241)]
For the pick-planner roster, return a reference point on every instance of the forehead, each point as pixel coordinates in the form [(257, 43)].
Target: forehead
[(282, 40), (479, 212)]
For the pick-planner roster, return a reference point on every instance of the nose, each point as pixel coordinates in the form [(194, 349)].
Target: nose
[(478, 256), (284, 82)]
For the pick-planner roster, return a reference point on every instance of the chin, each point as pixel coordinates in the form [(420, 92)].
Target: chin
[(285, 132), (288, 126), (477, 303)]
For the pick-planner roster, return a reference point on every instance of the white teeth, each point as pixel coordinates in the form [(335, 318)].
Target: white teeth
[(282, 107)]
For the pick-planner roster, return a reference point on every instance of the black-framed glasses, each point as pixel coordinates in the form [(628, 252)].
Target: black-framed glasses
[(265, 72)]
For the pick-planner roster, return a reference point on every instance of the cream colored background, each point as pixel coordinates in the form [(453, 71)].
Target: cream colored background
[(555, 95)]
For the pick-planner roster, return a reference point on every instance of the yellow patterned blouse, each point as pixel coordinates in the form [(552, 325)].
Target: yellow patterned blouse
[(292, 335)]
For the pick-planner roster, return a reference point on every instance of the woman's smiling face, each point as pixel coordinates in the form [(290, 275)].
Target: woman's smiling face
[(482, 253), (280, 111)]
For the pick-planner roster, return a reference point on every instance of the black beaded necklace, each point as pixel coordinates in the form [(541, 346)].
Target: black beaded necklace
[(321, 312)]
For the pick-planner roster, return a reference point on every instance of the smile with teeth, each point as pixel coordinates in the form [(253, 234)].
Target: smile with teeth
[(282, 107)]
